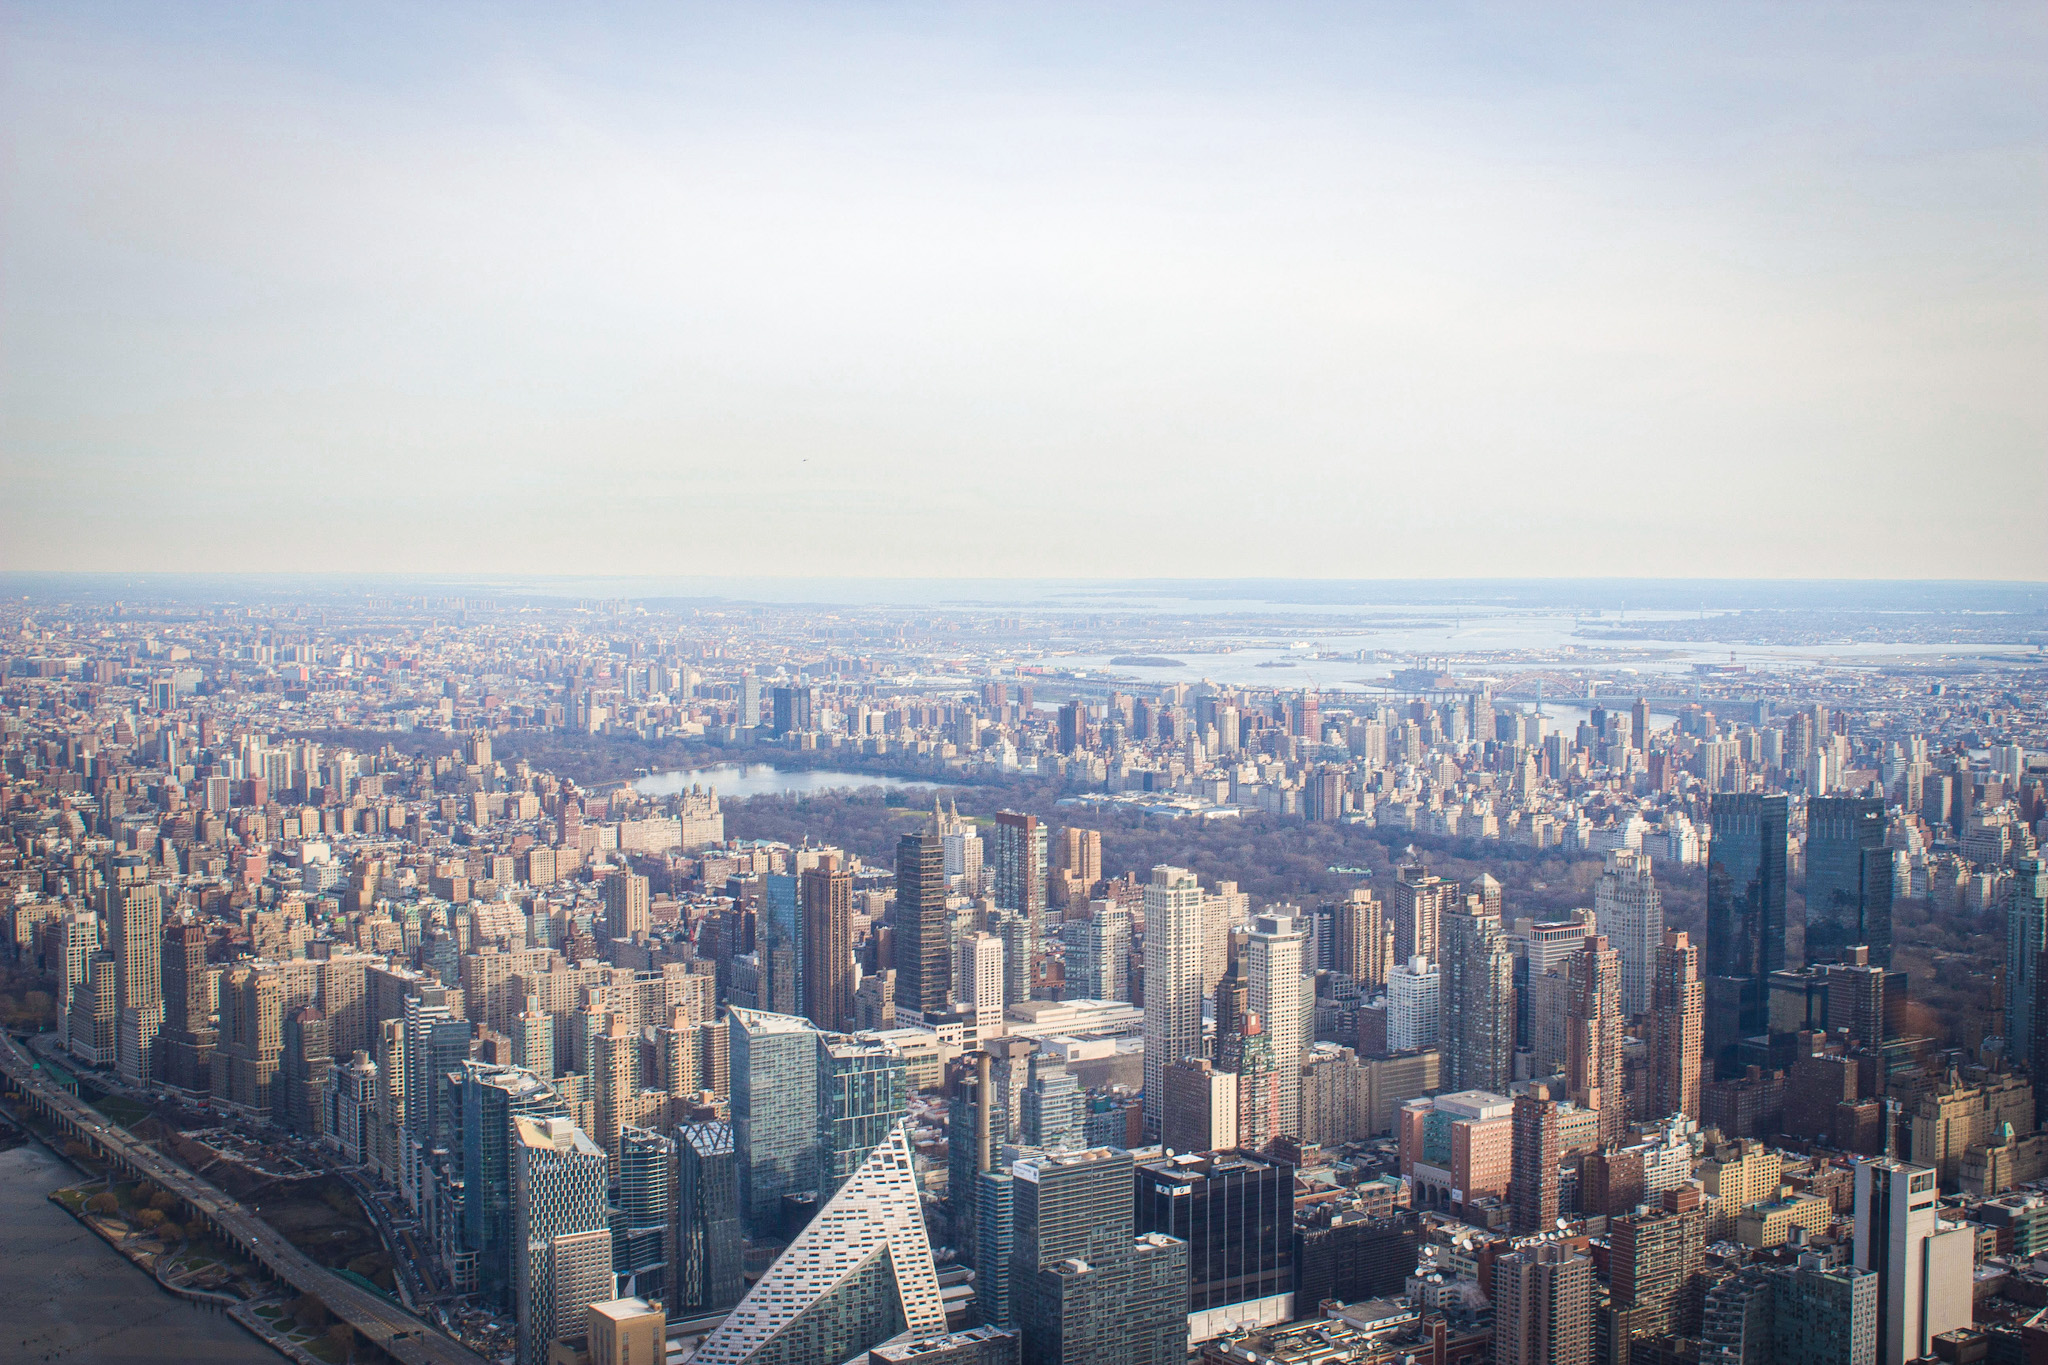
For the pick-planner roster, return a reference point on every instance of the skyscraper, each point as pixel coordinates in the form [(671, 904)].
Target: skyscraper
[(775, 1113), (1235, 1210), (995, 1239), (1363, 951), (561, 1241), (978, 982), (641, 1246), (625, 905), (1173, 979), (1414, 1005), (1923, 1265), (1079, 857), (1538, 1148), (1275, 992), (827, 971), (1099, 956), (1822, 1314), (1086, 1288), (188, 1038), (2026, 940), (708, 1252), (1593, 1033), (863, 1093), (615, 1076), (1543, 1307), (1630, 912), (80, 939), (305, 1064), (1477, 984), (1418, 899), (1677, 1001), (778, 945), (923, 953), (1201, 1107), (1258, 1087), (1848, 879), (135, 923), (1745, 917), (859, 1273), (1020, 864), (794, 708), (492, 1097), (1656, 1258)]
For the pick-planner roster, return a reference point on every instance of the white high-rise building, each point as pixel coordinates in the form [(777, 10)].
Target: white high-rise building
[(1099, 953), (561, 1239), (1630, 912), (1414, 1003), (1924, 1265), (1274, 990), (81, 941), (1173, 979), (978, 981), (819, 1301)]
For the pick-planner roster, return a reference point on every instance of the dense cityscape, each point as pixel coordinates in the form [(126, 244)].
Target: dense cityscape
[(875, 682), (490, 975)]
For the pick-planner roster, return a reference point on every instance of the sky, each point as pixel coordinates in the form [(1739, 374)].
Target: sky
[(1046, 290)]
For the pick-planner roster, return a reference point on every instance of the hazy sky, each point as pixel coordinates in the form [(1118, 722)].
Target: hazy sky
[(1104, 289)]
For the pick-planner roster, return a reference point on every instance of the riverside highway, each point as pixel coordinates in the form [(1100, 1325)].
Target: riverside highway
[(391, 1328)]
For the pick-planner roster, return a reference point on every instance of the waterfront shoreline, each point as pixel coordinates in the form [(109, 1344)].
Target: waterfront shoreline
[(240, 1311)]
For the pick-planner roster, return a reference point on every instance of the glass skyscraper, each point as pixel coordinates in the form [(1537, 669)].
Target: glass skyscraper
[(1848, 879), (645, 1217), (775, 1113), (781, 948), (1745, 917), (863, 1093), (1235, 1210), (492, 1097), (708, 1257)]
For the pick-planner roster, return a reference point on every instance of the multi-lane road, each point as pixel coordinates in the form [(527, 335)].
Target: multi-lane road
[(403, 1336)]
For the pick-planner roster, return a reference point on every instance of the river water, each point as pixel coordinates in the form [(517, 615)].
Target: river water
[(68, 1298)]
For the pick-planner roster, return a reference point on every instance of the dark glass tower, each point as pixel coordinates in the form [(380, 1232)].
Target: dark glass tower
[(780, 944), (708, 1253), (924, 959), (1848, 879), (492, 1097), (1235, 1210), (1745, 917)]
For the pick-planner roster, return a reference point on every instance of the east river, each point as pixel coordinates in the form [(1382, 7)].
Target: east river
[(68, 1298)]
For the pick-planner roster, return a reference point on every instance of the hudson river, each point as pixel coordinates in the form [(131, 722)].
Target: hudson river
[(68, 1298)]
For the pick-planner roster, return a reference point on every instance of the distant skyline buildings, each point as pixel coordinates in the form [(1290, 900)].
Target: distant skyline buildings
[(383, 938)]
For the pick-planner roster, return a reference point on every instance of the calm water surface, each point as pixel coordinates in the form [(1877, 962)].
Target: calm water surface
[(765, 779), (66, 1296)]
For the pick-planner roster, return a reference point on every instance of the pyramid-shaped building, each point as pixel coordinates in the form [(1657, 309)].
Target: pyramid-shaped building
[(860, 1273)]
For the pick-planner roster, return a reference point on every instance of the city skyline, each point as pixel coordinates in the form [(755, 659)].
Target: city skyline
[(491, 919), (1160, 684)]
